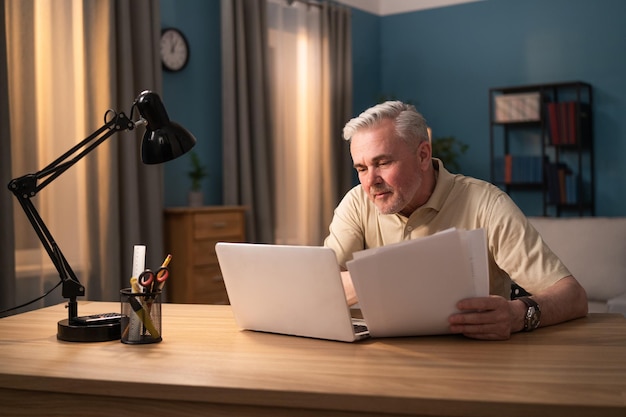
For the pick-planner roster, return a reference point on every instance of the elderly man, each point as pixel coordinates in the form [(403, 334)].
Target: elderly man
[(405, 194)]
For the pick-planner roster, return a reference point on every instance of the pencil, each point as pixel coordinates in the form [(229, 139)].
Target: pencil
[(167, 260)]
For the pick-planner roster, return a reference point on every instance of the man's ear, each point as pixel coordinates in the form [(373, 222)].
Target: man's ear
[(424, 154)]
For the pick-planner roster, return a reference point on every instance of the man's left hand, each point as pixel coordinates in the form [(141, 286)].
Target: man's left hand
[(486, 318)]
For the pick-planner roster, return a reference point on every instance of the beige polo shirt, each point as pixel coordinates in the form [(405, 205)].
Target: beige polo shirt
[(516, 251)]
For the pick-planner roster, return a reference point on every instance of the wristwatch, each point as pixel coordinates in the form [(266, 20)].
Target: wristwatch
[(533, 314)]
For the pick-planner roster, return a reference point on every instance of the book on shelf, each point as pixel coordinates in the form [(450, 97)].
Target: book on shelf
[(518, 169), (562, 184), (553, 123), (563, 118)]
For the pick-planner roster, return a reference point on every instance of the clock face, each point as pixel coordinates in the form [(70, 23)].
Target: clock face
[(174, 50)]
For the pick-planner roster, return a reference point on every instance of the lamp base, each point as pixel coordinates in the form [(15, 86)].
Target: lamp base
[(88, 333)]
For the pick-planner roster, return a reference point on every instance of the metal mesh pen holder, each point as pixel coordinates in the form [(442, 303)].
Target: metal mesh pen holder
[(141, 317)]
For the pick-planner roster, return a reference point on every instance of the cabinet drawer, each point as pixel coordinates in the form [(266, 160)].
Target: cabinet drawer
[(217, 224), (204, 252), (191, 236), (209, 286)]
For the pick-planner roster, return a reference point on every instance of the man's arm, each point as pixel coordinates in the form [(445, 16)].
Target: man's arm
[(348, 287), (495, 318)]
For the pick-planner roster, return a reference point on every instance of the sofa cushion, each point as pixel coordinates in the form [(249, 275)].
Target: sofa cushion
[(597, 306), (617, 304), (592, 248)]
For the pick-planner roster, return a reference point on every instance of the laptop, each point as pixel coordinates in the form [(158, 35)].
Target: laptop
[(292, 290)]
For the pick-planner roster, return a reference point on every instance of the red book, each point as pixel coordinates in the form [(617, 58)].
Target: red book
[(508, 168), (563, 125), (571, 119), (553, 121)]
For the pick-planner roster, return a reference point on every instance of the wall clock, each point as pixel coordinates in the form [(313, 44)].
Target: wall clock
[(174, 50)]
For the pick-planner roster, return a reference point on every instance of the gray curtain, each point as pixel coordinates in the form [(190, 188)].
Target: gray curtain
[(125, 205), (134, 194), (247, 151), (337, 24), (136, 215), (247, 137), (7, 262)]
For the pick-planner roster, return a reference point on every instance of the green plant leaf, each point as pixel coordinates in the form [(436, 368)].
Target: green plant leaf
[(197, 172), (449, 149)]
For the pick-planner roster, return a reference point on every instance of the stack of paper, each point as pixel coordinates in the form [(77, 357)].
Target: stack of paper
[(412, 287)]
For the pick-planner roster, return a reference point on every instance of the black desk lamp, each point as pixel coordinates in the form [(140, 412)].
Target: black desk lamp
[(163, 140)]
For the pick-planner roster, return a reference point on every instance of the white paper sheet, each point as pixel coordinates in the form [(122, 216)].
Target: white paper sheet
[(412, 287)]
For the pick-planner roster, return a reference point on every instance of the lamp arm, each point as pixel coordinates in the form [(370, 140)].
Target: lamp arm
[(57, 167), (72, 287), (26, 187)]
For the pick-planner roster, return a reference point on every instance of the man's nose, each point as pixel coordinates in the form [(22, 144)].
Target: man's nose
[(372, 177)]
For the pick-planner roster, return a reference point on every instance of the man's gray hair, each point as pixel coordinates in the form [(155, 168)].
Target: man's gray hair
[(410, 124)]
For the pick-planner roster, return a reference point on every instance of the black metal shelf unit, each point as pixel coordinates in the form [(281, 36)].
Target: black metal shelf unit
[(541, 139)]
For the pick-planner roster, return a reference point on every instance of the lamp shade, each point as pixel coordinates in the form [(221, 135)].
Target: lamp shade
[(163, 140)]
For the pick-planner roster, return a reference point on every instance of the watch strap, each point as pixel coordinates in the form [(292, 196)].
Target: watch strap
[(533, 314)]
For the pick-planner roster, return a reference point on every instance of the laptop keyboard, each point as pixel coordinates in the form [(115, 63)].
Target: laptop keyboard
[(359, 328)]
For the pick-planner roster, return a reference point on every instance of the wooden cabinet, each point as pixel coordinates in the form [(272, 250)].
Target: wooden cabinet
[(190, 236)]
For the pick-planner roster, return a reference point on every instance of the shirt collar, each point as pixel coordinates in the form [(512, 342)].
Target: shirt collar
[(443, 186)]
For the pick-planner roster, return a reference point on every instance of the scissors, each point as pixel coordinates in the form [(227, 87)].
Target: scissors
[(149, 279)]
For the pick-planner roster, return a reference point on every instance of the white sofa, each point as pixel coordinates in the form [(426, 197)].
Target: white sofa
[(594, 250)]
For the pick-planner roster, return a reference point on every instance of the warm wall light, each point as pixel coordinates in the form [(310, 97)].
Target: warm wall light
[(164, 140)]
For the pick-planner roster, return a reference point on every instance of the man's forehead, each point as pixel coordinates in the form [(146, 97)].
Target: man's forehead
[(375, 143)]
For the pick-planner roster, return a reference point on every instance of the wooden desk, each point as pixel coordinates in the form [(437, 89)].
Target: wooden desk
[(206, 366)]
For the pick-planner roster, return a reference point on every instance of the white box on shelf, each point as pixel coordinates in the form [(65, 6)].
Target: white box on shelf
[(517, 108)]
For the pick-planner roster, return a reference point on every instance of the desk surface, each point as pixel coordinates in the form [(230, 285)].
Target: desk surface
[(205, 365)]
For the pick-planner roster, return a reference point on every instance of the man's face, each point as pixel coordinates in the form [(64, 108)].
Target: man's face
[(390, 171)]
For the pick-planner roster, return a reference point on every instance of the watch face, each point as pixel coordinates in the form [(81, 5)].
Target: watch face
[(174, 50), (534, 317)]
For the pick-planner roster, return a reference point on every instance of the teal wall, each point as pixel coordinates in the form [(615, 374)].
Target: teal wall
[(193, 97), (446, 60), (443, 60)]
